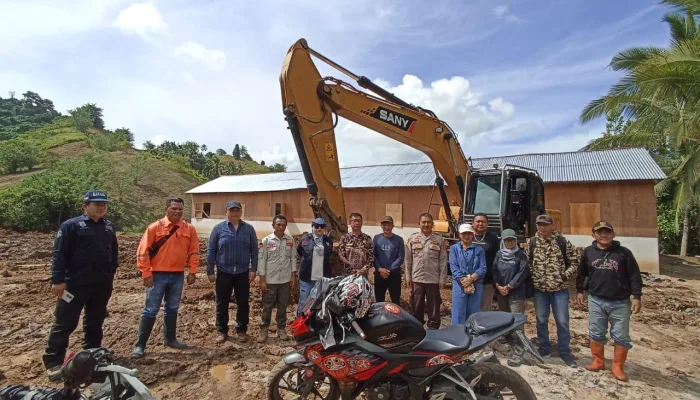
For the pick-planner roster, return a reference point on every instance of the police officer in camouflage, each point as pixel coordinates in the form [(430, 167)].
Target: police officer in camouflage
[(553, 261), (85, 259)]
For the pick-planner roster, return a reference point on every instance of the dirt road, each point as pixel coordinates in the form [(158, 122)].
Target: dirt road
[(664, 363)]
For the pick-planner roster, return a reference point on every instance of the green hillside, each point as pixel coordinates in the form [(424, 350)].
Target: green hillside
[(45, 170)]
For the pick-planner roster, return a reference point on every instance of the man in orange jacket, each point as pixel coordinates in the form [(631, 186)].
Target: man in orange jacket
[(168, 246)]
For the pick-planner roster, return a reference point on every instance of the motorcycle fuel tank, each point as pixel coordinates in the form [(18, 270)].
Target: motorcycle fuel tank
[(389, 326)]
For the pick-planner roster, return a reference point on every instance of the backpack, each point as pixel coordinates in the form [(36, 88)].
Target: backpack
[(530, 287)]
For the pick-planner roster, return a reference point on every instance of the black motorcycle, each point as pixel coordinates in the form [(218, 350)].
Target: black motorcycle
[(387, 354), (92, 368)]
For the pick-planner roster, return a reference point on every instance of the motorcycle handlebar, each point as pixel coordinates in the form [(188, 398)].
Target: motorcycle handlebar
[(358, 329), (118, 369)]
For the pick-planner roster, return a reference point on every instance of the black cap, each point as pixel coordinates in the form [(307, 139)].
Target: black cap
[(233, 204), (545, 219), (602, 225)]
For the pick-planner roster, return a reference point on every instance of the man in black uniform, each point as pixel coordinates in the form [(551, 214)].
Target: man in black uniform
[(85, 258)]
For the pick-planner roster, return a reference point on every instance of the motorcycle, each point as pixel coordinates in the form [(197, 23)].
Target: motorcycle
[(347, 345), (93, 368)]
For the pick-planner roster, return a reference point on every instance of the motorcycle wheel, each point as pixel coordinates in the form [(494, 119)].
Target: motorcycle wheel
[(286, 382), (495, 378)]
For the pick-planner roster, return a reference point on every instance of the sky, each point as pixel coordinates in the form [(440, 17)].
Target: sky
[(510, 77)]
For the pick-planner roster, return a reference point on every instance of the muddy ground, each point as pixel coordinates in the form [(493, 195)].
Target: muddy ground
[(664, 363)]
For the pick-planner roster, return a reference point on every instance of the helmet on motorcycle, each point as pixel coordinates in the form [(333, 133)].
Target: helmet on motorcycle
[(356, 293)]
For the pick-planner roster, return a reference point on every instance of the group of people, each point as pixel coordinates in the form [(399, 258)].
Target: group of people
[(483, 268)]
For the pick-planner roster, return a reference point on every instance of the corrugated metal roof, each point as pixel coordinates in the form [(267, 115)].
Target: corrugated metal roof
[(584, 166), (594, 166)]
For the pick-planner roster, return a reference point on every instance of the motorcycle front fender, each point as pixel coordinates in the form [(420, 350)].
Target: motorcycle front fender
[(293, 358)]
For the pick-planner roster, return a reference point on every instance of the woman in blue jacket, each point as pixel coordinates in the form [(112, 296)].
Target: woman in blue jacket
[(468, 267)]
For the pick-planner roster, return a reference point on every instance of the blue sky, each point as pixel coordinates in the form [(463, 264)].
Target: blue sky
[(510, 77)]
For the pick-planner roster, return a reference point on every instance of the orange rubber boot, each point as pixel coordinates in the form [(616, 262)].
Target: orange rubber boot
[(598, 351), (618, 365)]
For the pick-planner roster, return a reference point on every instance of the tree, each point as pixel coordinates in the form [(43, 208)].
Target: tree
[(87, 116), (277, 167), (245, 155), (236, 152), (125, 135), (231, 168), (659, 99), (220, 152), (149, 146)]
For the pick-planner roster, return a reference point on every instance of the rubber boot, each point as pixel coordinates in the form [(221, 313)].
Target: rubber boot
[(169, 329), (618, 365), (598, 351), (145, 328)]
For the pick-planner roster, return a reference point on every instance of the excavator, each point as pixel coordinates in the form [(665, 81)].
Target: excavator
[(511, 196)]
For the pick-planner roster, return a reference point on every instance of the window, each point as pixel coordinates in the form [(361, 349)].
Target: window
[(280, 208), (206, 210), (487, 198)]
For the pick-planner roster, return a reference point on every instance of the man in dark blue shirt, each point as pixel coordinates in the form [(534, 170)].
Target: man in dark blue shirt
[(85, 259), (388, 257), (233, 249)]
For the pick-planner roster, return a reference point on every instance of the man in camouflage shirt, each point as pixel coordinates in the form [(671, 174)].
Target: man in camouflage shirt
[(551, 266), (356, 249)]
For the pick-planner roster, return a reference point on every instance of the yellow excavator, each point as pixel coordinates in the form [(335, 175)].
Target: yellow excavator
[(510, 195)]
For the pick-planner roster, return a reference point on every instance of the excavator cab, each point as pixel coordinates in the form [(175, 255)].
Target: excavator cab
[(511, 196)]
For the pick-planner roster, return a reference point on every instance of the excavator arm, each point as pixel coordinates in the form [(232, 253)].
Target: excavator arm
[(312, 106)]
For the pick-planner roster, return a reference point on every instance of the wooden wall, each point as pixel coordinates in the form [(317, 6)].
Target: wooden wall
[(629, 206)]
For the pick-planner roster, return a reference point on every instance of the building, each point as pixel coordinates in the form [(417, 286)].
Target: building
[(617, 185)]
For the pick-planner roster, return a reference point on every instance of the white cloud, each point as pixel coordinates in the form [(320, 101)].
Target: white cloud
[(188, 77), (195, 52), (158, 139), (452, 100), (141, 19), (288, 158), (503, 13)]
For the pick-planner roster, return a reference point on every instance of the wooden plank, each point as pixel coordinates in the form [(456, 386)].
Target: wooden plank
[(583, 216), (395, 211)]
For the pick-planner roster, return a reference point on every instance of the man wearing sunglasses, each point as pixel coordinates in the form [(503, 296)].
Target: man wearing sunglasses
[(314, 250)]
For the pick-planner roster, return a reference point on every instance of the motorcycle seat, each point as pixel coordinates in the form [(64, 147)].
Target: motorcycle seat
[(485, 322), (453, 339)]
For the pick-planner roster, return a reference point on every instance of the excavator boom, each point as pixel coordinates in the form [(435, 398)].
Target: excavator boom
[(312, 105)]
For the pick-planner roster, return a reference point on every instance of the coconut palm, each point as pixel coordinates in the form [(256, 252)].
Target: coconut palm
[(659, 95)]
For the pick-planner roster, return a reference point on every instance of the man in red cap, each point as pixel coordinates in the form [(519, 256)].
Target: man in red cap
[(610, 274)]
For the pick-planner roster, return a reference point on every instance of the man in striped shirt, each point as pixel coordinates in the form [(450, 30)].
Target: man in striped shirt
[(233, 249)]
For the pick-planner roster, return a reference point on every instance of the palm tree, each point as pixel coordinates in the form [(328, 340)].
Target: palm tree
[(659, 95)]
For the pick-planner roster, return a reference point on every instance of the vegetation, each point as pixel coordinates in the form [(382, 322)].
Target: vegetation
[(74, 153), (656, 105), (23, 115)]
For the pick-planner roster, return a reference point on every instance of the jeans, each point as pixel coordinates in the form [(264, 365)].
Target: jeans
[(168, 286), (91, 298), (227, 284), (392, 284), (464, 305), (559, 303), (617, 313), (304, 290)]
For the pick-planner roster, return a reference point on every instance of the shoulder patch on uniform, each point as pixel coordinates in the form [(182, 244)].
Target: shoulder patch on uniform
[(59, 234)]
